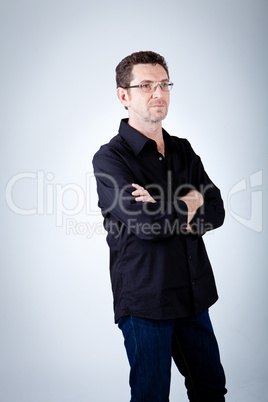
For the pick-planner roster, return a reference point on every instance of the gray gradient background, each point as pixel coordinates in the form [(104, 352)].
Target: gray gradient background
[(58, 342)]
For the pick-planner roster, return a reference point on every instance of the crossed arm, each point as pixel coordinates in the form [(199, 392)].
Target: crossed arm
[(193, 199), (200, 210)]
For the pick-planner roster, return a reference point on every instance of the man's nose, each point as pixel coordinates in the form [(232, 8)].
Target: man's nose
[(158, 92)]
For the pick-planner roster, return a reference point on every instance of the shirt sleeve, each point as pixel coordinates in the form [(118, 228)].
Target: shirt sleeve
[(149, 221), (211, 214)]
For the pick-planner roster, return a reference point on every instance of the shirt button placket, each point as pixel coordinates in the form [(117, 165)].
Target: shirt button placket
[(190, 262)]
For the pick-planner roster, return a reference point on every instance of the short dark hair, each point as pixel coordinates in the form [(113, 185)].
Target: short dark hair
[(124, 68)]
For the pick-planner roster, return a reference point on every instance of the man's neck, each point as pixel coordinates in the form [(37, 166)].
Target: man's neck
[(152, 130)]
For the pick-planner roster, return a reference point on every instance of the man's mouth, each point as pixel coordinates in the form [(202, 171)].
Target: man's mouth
[(158, 105)]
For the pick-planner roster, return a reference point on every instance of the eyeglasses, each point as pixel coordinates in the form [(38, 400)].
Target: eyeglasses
[(166, 86)]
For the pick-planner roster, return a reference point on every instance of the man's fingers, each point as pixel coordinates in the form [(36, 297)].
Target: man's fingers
[(141, 198), (139, 190), (137, 186), (141, 195)]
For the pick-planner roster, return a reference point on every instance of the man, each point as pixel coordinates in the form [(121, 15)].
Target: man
[(158, 202)]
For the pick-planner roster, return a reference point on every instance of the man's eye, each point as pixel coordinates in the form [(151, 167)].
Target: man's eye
[(164, 84), (146, 86)]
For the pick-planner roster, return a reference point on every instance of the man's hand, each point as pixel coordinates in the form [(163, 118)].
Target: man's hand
[(141, 195), (193, 200)]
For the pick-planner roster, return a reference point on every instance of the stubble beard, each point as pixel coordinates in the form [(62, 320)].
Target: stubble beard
[(157, 119), (158, 116)]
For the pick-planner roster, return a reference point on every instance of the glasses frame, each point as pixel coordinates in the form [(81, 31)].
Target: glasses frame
[(170, 85)]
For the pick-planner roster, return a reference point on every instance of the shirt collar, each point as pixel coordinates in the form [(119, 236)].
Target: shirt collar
[(137, 140), (134, 138)]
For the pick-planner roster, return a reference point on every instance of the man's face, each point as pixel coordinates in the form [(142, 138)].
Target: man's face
[(147, 107)]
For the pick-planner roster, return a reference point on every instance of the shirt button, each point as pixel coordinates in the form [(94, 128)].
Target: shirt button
[(160, 158), (190, 257)]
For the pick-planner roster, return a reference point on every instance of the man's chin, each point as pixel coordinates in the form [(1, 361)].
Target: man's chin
[(158, 117)]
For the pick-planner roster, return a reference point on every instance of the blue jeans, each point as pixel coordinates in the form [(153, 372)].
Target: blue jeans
[(150, 345)]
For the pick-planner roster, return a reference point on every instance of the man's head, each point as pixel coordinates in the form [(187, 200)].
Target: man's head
[(143, 87), (125, 68)]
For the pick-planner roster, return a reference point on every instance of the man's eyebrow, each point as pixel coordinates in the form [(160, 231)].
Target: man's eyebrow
[(165, 79)]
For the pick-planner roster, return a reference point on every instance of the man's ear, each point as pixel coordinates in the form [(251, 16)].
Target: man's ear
[(123, 96)]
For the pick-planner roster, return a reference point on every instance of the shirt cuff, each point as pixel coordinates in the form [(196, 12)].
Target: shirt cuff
[(182, 213)]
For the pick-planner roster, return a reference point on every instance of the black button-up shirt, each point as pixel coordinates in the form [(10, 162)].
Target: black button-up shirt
[(158, 270)]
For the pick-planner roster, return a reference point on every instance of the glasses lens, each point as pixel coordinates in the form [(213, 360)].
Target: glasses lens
[(166, 86), (151, 86), (147, 87)]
